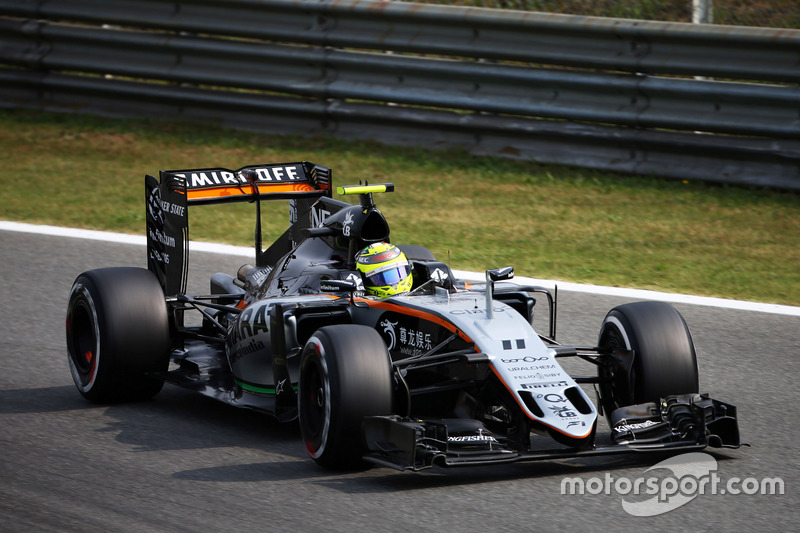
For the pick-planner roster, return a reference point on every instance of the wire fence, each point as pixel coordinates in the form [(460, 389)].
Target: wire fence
[(760, 13)]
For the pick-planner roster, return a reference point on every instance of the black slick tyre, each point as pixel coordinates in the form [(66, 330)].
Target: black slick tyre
[(117, 334), (664, 360), (345, 375)]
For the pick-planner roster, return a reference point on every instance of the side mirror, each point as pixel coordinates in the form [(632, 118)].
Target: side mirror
[(321, 232), (338, 285), (343, 285), (500, 274)]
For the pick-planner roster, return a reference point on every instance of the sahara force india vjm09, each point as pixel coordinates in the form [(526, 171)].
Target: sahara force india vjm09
[(438, 372)]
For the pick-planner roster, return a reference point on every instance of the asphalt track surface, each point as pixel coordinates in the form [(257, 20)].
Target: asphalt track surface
[(182, 462)]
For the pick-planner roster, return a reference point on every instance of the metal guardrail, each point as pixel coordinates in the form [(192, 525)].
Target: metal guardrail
[(487, 80)]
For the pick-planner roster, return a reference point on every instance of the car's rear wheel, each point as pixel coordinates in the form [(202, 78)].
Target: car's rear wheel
[(117, 334), (345, 375), (664, 361)]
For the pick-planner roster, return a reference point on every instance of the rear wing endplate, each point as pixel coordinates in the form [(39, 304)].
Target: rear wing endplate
[(169, 198)]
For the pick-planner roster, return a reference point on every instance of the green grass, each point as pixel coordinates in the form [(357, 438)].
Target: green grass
[(765, 13), (552, 222)]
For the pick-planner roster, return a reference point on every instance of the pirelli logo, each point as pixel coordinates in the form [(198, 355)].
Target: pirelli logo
[(544, 384)]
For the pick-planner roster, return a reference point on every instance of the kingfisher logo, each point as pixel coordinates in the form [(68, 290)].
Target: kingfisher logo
[(388, 329)]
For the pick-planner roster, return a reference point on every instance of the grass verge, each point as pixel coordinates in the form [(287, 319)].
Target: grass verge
[(552, 222)]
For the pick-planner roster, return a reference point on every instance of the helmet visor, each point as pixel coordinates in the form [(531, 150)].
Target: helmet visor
[(392, 276)]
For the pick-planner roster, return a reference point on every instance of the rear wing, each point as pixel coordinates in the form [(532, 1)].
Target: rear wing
[(284, 180), (169, 197)]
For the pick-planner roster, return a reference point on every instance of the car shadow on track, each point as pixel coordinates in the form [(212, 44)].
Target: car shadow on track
[(388, 480), (182, 420), (185, 421), (42, 400), (189, 420)]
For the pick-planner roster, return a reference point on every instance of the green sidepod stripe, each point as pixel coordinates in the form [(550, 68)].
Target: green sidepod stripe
[(261, 390)]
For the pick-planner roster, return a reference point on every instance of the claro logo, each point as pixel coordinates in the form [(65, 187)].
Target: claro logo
[(527, 359), (475, 311)]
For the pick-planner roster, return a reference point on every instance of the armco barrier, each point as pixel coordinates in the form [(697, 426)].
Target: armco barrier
[(552, 88)]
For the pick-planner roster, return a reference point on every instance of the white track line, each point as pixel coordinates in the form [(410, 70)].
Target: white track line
[(466, 275)]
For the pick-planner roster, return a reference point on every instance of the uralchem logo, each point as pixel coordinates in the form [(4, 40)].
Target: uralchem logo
[(691, 475)]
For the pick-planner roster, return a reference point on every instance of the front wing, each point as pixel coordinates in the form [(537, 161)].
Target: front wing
[(679, 423)]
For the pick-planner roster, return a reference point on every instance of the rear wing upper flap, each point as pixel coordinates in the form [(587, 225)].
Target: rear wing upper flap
[(169, 197), (282, 180)]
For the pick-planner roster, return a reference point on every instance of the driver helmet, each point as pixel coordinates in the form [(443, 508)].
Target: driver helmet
[(385, 269)]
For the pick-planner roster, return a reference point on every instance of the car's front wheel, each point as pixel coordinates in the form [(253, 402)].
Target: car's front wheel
[(345, 375), (653, 355), (117, 334)]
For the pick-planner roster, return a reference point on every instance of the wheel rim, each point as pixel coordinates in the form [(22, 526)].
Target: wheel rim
[(83, 340), (315, 407), (612, 341)]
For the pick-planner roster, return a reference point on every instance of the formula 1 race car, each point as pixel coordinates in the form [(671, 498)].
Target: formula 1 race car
[(446, 373)]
